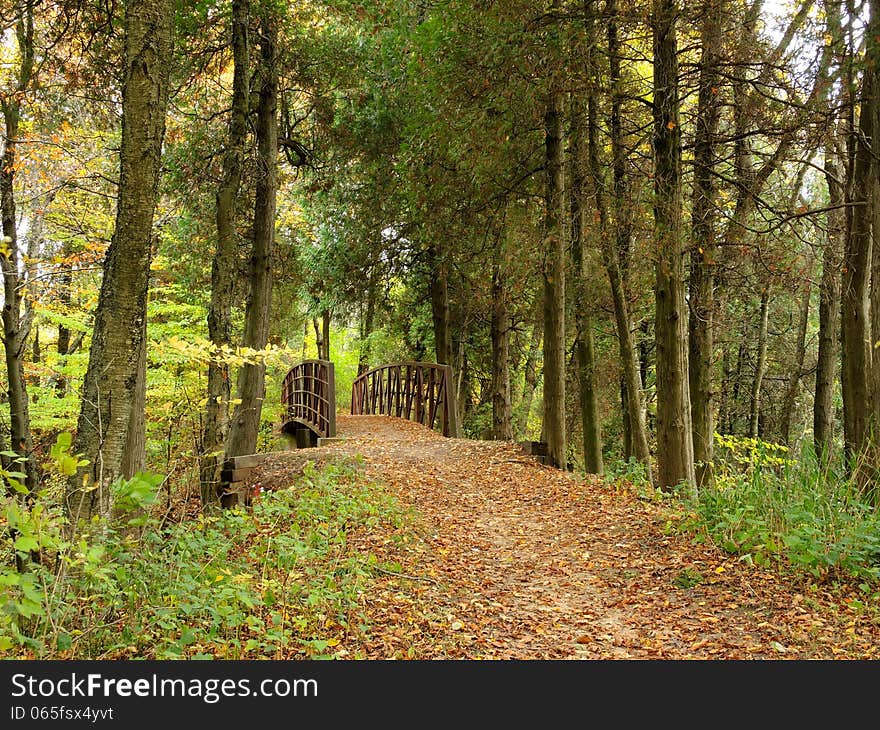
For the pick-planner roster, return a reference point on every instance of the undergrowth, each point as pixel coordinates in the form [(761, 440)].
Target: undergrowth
[(798, 513), (277, 579)]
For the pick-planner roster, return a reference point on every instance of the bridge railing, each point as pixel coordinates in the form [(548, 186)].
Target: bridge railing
[(417, 391), (308, 396)]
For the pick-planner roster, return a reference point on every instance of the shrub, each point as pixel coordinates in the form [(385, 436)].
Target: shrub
[(766, 506)]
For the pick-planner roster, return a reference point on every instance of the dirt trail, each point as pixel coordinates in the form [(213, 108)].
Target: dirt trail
[(517, 560)]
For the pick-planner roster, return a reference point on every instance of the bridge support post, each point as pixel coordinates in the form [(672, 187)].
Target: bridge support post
[(453, 427)]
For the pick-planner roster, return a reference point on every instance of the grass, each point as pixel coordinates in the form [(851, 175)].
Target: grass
[(796, 512), (277, 580)]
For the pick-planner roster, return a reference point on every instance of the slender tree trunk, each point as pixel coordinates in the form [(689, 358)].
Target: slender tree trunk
[(225, 260), (110, 385), (530, 370), (319, 338), (440, 307), (245, 422), (586, 364), (625, 422), (628, 360), (735, 410), (462, 397), (584, 345), (760, 363), (14, 329), (502, 426), (855, 321), (65, 296), (442, 331), (134, 455), (724, 399), (866, 231), (369, 316), (829, 314), (832, 254), (634, 432), (553, 271), (794, 378), (703, 249), (325, 334), (675, 451)]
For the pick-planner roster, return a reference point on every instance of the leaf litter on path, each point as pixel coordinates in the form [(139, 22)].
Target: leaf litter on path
[(510, 559)]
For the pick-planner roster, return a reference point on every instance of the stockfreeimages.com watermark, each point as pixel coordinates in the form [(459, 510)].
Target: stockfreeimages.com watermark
[(208, 690)]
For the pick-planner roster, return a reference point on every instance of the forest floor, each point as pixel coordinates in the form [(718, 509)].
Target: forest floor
[(505, 558)]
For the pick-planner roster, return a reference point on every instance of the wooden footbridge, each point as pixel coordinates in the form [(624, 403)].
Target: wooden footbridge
[(417, 391)]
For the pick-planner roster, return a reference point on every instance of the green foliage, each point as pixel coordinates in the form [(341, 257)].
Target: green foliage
[(632, 471), (277, 579), (688, 578), (768, 508), (136, 495)]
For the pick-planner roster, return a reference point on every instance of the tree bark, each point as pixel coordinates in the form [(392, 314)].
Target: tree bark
[(502, 425), (634, 429), (553, 272), (225, 261), (440, 307), (835, 241), (14, 329), (866, 230), (369, 316), (724, 399), (584, 345), (675, 452), (794, 378), (251, 384), (134, 455), (855, 285), (829, 313), (110, 384), (442, 331), (703, 255), (325, 334), (760, 363), (530, 369)]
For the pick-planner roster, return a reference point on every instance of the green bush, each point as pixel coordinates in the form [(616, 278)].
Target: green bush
[(278, 578), (766, 506)]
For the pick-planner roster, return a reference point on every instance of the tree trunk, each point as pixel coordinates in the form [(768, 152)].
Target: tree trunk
[(675, 452), (530, 370), (369, 316), (14, 333), (251, 385), (584, 345), (866, 230), (553, 272), (794, 378), (760, 363), (325, 334), (737, 386), (110, 385), (134, 456), (829, 313), (704, 253), (502, 427), (224, 267), (855, 322), (724, 399), (632, 406), (440, 307), (442, 332)]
